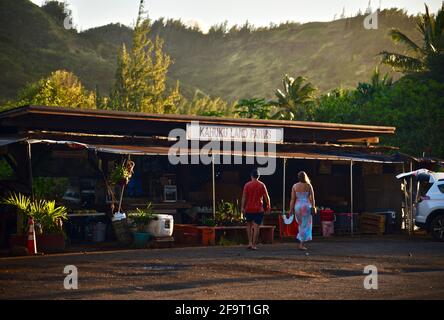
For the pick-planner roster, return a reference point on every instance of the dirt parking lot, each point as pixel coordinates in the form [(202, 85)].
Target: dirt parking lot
[(332, 269)]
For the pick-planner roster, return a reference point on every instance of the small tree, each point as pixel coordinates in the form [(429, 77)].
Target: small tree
[(61, 88), (141, 74)]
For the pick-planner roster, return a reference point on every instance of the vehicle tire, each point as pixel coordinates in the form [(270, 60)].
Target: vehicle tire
[(437, 227)]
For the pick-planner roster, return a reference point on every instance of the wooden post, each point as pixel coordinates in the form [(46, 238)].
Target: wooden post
[(283, 185), (213, 173), (410, 215), (29, 156), (351, 197)]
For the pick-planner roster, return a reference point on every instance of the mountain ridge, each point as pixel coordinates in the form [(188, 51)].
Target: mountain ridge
[(238, 64)]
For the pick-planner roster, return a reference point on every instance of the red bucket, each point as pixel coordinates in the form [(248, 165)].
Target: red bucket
[(327, 215)]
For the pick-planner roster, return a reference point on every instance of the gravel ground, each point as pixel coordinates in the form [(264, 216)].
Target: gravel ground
[(331, 269)]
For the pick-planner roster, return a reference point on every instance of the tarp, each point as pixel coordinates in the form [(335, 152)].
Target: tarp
[(163, 150)]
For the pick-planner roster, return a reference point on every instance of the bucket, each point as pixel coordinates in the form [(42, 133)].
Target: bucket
[(327, 215), (328, 228), (141, 239), (99, 231)]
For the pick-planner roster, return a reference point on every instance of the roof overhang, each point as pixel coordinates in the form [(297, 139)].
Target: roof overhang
[(168, 151), (144, 124)]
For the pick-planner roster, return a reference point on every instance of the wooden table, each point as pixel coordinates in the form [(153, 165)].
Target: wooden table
[(206, 236)]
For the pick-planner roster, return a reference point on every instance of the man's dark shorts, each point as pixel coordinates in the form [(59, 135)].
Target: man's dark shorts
[(255, 217)]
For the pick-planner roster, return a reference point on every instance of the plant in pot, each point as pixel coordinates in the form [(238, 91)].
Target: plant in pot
[(121, 174), (228, 213), (48, 219), (140, 221)]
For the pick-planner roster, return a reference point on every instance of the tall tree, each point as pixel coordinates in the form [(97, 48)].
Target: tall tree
[(141, 75), (296, 100), (427, 57)]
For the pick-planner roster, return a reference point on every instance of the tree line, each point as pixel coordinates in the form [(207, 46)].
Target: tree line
[(414, 103)]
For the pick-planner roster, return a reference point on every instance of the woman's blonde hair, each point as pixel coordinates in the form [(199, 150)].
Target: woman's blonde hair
[(303, 177)]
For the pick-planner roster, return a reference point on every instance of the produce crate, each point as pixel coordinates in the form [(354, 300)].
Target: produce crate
[(372, 223)]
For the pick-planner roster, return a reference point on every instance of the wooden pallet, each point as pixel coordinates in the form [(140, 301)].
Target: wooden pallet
[(372, 223)]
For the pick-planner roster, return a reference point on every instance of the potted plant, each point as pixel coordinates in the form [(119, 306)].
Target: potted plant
[(121, 174), (228, 213), (140, 221), (48, 219)]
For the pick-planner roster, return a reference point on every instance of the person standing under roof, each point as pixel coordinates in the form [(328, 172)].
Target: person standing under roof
[(302, 205), (253, 197)]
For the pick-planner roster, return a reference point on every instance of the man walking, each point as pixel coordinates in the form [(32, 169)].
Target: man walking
[(253, 197)]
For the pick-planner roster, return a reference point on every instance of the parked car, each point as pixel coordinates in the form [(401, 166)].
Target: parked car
[(428, 208)]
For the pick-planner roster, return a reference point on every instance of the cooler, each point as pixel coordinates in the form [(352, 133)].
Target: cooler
[(162, 227)]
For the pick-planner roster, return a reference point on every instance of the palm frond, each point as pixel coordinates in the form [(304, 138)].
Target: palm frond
[(401, 62), (398, 36), (20, 201)]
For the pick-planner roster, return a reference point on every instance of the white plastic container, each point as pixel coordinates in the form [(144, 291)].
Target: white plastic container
[(162, 227)]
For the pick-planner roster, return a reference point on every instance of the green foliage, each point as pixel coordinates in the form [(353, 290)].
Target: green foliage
[(253, 108), (121, 173), (141, 74), (48, 215), (415, 106), (59, 11), (6, 172), (204, 105), (427, 57), (228, 213), (142, 217), (44, 212), (209, 222), (238, 64), (49, 187), (296, 100), (61, 88)]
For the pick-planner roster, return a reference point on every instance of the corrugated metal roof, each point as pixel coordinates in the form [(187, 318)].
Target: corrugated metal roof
[(188, 118)]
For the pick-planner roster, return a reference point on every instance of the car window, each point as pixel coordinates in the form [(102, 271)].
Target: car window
[(441, 187)]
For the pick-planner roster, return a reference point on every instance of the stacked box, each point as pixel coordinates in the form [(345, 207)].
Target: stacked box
[(372, 223)]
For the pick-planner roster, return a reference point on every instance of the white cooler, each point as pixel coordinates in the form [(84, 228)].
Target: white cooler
[(162, 227)]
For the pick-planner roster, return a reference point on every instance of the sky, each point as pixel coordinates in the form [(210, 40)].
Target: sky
[(93, 13)]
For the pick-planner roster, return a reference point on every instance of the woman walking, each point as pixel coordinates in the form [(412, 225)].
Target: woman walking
[(302, 205)]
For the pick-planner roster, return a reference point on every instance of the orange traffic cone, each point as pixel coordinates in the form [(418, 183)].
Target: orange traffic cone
[(32, 245)]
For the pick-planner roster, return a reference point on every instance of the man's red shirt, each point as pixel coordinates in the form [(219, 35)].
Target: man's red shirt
[(254, 192)]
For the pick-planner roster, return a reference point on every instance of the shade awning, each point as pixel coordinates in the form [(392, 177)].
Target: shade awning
[(165, 151)]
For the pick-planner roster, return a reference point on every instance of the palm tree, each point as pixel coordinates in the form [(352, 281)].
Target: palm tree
[(378, 82), (295, 100), (426, 57)]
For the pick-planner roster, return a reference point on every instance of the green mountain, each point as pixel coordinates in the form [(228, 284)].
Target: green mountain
[(243, 62)]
